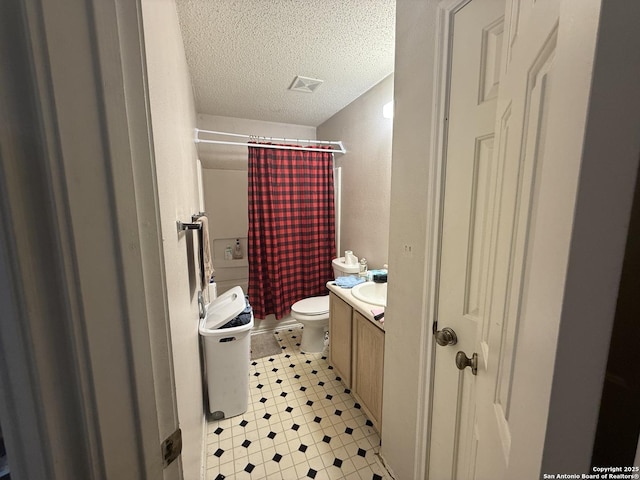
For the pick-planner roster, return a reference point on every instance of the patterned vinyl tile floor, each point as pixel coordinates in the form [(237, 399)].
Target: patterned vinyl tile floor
[(301, 423)]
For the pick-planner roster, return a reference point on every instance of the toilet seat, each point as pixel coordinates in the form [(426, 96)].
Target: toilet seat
[(310, 318), (313, 313), (310, 308)]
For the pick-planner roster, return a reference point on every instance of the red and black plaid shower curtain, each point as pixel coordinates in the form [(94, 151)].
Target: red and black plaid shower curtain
[(291, 227)]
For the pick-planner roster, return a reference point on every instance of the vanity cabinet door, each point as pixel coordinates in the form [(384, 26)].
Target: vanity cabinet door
[(368, 363), (340, 337)]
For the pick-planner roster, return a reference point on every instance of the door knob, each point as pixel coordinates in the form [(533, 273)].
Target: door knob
[(446, 336), (462, 362)]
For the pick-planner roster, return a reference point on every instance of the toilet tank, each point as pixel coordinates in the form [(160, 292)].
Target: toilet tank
[(341, 269)]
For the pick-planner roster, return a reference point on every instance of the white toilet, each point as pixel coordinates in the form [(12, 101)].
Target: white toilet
[(313, 312)]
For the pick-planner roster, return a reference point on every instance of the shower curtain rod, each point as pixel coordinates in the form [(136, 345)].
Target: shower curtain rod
[(341, 148)]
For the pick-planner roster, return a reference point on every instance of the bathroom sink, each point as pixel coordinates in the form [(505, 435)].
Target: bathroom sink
[(371, 292)]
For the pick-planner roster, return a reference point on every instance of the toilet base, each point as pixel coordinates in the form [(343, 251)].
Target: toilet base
[(313, 336)]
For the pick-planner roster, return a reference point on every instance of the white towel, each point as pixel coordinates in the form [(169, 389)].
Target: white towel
[(207, 261), (348, 282)]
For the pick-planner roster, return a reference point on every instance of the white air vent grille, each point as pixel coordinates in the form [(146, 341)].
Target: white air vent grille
[(305, 84)]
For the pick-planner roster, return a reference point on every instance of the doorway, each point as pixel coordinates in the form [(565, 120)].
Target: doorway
[(546, 321)]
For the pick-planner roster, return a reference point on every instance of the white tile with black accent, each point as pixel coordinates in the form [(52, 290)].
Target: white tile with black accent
[(301, 423)]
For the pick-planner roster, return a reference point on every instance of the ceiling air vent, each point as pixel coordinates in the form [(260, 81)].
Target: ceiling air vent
[(305, 84)]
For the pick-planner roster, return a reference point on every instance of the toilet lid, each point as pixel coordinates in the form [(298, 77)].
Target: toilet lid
[(312, 306)]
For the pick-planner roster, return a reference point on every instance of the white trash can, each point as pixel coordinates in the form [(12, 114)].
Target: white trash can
[(227, 354)]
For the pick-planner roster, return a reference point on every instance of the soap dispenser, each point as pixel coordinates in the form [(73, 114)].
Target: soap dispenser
[(228, 253), (363, 267), (237, 251)]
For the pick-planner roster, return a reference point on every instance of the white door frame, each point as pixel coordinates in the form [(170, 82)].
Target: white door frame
[(85, 362), (603, 204), (445, 14)]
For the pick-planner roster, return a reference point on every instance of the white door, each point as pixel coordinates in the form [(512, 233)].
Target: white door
[(489, 220), (530, 45), (469, 192)]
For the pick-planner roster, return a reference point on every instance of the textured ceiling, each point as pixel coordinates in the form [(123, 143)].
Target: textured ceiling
[(244, 54)]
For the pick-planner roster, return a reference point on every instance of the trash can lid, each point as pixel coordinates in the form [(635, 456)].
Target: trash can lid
[(224, 308)]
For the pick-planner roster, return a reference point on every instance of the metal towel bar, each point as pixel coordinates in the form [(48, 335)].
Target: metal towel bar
[(188, 226), (193, 225)]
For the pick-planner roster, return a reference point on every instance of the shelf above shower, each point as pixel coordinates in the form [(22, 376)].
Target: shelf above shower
[(239, 262), (220, 244)]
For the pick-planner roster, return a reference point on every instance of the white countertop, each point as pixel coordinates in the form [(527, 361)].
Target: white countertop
[(363, 307)]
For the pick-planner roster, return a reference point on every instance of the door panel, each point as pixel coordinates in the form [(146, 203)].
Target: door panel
[(340, 320), (469, 209), (368, 366), (524, 96), (489, 213)]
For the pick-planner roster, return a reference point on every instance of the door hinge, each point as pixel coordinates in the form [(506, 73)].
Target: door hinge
[(171, 447)]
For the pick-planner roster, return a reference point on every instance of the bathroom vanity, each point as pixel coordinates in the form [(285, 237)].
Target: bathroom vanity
[(356, 350)]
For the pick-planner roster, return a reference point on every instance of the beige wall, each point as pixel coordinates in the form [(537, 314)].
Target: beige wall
[(405, 321), (173, 120), (366, 172), (225, 199)]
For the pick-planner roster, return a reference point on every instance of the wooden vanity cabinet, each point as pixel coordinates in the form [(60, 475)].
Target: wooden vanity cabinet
[(340, 316), (356, 351), (367, 366)]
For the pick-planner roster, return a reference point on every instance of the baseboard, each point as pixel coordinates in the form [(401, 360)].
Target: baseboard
[(382, 461), (205, 433), (270, 324)]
